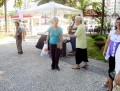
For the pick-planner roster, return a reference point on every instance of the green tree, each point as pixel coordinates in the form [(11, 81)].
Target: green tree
[(1, 12), (1, 3), (83, 4), (71, 3), (17, 3)]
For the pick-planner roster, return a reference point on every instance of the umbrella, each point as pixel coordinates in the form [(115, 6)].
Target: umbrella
[(53, 8)]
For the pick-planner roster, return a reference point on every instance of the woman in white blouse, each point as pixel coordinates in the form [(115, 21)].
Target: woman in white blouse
[(112, 43)]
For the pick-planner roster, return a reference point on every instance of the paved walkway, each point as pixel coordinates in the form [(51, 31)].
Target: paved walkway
[(31, 72)]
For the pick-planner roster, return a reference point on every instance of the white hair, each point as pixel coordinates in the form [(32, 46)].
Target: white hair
[(79, 18), (54, 18)]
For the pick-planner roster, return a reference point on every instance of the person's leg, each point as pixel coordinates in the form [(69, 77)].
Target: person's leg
[(57, 55), (106, 82), (84, 58), (77, 58), (23, 35), (21, 46), (111, 69), (52, 53), (17, 45), (74, 44), (110, 84), (71, 41)]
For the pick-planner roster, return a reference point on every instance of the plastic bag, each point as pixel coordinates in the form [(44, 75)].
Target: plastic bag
[(45, 51), (68, 47)]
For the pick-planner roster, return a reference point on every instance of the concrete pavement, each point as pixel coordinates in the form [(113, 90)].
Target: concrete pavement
[(31, 72)]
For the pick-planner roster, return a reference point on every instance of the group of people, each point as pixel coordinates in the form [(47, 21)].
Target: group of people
[(77, 34)]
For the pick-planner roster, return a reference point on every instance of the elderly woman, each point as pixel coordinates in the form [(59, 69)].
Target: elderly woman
[(18, 37), (81, 45), (112, 43), (55, 42)]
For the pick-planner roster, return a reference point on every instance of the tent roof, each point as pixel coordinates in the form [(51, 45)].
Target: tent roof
[(54, 8)]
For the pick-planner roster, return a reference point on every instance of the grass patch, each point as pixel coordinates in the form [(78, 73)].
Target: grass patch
[(93, 51)]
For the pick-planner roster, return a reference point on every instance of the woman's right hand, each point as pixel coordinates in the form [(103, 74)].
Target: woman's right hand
[(45, 42), (104, 52)]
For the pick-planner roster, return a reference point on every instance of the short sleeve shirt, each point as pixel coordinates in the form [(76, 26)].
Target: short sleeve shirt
[(114, 42), (55, 35), (81, 37)]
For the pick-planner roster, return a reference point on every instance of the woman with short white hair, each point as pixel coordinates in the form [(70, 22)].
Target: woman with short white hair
[(55, 41), (81, 44)]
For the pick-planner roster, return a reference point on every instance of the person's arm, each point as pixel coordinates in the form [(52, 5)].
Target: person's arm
[(106, 46), (73, 36), (77, 33)]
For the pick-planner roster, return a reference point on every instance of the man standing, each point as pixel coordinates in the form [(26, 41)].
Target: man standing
[(18, 37)]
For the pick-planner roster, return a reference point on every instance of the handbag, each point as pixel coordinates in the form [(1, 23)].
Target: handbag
[(112, 74)]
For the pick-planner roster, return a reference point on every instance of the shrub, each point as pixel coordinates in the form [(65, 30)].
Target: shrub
[(94, 35), (93, 50), (99, 44), (99, 38)]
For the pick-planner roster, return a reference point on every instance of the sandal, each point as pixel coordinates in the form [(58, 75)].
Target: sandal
[(85, 66), (76, 68)]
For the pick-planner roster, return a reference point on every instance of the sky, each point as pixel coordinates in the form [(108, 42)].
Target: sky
[(10, 4)]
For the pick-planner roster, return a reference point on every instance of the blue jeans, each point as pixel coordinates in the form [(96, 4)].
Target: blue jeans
[(73, 43)]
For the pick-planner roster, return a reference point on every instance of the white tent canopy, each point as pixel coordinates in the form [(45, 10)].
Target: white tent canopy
[(53, 8)]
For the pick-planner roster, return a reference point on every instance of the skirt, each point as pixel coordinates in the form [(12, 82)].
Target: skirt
[(81, 55)]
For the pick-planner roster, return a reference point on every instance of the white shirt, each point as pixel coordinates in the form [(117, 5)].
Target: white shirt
[(117, 60)]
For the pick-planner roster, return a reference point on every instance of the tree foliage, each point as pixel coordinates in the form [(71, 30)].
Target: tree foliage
[(71, 3), (1, 3), (1, 12), (83, 4), (17, 3)]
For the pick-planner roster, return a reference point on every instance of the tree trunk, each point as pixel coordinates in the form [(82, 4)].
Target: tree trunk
[(5, 9), (103, 5)]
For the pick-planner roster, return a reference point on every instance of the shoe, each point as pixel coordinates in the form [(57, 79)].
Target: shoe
[(52, 68), (58, 68), (76, 68), (20, 52), (85, 67), (105, 85)]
